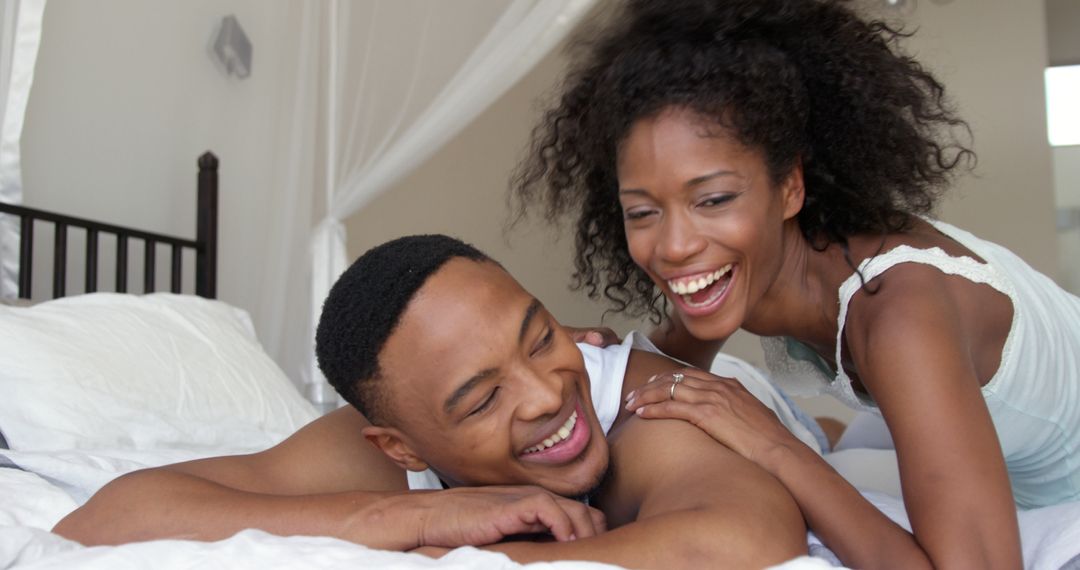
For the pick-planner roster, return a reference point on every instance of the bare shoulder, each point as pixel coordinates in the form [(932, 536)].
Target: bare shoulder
[(660, 467), (917, 310), (328, 455)]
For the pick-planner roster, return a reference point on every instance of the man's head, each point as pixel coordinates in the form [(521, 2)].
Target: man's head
[(460, 369)]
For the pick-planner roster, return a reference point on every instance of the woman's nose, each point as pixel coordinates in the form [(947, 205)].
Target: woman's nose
[(679, 239)]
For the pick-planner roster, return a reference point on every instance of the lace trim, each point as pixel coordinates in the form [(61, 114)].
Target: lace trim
[(962, 266)]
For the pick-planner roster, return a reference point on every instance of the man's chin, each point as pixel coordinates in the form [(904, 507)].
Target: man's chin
[(588, 487)]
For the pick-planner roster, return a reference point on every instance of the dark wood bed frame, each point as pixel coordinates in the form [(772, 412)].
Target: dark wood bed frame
[(204, 244)]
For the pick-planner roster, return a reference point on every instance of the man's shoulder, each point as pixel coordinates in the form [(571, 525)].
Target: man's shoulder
[(331, 454)]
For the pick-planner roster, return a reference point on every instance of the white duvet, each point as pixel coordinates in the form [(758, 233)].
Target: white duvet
[(51, 484)]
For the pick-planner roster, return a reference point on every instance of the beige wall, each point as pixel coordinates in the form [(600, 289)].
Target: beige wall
[(462, 190), (991, 55), (1063, 29), (125, 97)]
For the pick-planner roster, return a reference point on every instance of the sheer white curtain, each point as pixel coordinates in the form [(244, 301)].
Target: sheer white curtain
[(397, 79), (20, 36)]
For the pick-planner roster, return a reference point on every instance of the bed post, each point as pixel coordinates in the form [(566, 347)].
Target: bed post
[(206, 227)]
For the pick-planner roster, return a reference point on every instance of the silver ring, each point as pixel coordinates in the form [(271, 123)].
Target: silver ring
[(675, 379)]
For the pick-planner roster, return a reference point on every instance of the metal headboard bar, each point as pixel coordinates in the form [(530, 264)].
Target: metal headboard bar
[(204, 244)]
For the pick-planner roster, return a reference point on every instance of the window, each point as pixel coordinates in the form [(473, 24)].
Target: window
[(1063, 105)]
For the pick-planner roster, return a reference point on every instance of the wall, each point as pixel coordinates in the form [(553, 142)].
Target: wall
[(1063, 31), (125, 98), (461, 191)]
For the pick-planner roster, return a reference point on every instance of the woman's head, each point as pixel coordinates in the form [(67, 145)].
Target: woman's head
[(803, 84)]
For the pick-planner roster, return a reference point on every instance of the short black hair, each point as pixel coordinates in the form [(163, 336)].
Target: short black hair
[(804, 81), (364, 307)]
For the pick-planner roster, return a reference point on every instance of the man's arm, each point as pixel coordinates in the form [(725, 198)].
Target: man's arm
[(324, 480), (679, 499)]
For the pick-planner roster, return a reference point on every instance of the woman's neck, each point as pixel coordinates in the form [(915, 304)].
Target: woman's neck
[(803, 300)]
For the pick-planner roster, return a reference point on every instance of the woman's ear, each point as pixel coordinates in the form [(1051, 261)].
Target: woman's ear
[(793, 190), (392, 443)]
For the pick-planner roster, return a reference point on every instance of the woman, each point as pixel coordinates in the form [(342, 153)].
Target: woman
[(767, 165)]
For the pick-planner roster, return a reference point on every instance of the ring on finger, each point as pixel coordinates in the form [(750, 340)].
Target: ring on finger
[(676, 378)]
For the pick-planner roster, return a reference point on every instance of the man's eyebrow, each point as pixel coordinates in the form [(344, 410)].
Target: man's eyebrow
[(465, 388), (529, 314)]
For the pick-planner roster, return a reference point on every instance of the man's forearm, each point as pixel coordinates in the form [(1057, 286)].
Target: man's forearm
[(158, 504), (702, 538)]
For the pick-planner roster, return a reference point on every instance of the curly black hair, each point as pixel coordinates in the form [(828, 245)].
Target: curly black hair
[(364, 307), (800, 80)]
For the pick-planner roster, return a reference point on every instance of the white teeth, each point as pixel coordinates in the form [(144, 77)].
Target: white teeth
[(693, 286), (560, 434)]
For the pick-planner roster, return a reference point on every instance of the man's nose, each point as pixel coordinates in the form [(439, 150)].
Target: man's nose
[(542, 395)]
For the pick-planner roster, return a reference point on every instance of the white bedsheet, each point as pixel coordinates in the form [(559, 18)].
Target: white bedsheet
[(34, 501)]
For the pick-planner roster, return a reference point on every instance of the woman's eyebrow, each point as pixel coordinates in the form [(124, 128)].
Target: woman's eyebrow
[(692, 182)]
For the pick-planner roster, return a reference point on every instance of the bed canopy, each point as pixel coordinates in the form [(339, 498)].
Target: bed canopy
[(380, 87)]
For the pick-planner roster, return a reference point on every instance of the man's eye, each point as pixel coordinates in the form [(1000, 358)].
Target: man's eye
[(545, 341), (486, 403)]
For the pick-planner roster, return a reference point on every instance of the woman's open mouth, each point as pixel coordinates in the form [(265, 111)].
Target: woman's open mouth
[(702, 293)]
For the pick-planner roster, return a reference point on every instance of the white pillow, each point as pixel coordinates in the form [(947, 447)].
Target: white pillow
[(108, 371)]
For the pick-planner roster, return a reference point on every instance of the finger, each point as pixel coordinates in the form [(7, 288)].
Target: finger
[(595, 338), (580, 518), (658, 389), (609, 336), (549, 513), (599, 520), (669, 410)]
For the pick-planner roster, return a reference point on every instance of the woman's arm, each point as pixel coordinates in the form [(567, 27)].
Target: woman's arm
[(915, 361)]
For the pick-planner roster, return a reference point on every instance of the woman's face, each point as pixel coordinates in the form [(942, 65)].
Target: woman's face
[(703, 218)]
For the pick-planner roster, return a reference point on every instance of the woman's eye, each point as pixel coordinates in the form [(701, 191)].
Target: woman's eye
[(631, 215), (713, 201), (486, 403)]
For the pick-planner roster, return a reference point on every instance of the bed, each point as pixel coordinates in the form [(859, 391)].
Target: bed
[(104, 383)]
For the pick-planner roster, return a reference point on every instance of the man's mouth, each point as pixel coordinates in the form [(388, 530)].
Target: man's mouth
[(564, 443), (703, 289)]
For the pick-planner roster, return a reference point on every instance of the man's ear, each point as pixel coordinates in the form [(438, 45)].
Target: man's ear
[(392, 443), (793, 190)]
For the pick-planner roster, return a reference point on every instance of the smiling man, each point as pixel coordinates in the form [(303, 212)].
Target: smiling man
[(472, 386)]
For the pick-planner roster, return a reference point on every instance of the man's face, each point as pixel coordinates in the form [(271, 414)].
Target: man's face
[(486, 388)]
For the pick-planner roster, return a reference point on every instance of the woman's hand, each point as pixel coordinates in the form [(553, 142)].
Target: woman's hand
[(597, 336), (721, 407)]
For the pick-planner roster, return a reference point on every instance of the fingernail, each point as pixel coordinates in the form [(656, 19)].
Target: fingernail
[(631, 395), (640, 410), (630, 404), (651, 378), (573, 536)]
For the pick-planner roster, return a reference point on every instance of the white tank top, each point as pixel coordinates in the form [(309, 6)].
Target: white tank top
[(1033, 398)]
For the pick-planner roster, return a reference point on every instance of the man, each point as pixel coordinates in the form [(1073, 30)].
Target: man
[(465, 376)]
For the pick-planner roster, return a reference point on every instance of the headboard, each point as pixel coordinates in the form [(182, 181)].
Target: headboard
[(204, 244)]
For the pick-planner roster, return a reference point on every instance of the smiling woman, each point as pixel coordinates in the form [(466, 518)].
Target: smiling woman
[(771, 165)]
